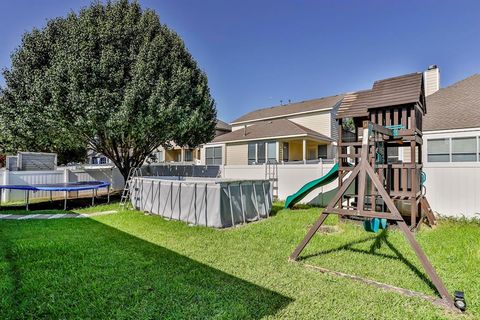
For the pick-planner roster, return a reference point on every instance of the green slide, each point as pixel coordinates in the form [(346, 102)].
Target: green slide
[(312, 185)]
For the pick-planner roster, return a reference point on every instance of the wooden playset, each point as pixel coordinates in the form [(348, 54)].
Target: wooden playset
[(373, 184)]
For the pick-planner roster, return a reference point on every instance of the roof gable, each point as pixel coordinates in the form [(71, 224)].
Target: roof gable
[(270, 129), (291, 108), (222, 125)]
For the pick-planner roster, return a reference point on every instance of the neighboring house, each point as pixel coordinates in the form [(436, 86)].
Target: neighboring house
[(451, 134), (300, 132), (452, 123), (177, 154), (96, 158)]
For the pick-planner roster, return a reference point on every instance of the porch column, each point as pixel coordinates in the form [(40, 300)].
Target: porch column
[(304, 150), (278, 145), (265, 146), (182, 155)]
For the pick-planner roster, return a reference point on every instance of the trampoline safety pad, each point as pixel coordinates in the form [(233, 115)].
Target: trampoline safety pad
[(53, 187)]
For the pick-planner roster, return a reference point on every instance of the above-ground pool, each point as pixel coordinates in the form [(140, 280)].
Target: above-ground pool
[(211, 202)]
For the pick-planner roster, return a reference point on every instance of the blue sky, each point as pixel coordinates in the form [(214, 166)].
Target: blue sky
[(257, 53)]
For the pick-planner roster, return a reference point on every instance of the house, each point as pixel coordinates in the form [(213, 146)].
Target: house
[(451, 134), (96, 158), (452, 126), (177, 154), (300, 132)]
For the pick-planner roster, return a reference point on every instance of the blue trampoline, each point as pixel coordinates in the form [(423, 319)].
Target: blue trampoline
[(66, 187)]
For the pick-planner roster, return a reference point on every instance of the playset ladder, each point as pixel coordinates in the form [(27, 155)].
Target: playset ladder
[(132, 173)]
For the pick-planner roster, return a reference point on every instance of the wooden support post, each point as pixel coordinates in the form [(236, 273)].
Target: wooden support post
[(396, 121), (414, 182), (404, 117), (432, 274)]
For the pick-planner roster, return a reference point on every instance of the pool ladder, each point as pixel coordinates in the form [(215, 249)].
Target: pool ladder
[(271, 174), (127, 189)]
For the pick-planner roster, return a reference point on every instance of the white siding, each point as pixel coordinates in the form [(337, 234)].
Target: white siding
[(431, 81), (236, 154), (203, 159), (453, 188), (319, 121)]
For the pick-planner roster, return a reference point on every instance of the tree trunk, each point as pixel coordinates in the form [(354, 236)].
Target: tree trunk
[(124, 170)]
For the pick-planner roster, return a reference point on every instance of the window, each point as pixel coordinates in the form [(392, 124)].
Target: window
[(272, 151), (252, 153), (438, 150), (213, 155), (103, 160), (257, 151), (464, 149), (285, 151), (322, 151), (94, 160), (392, 154), (188, 155), (260, 152)]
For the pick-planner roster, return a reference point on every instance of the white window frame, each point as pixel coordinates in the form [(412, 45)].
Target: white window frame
[(214, 158), (450, 154), (265, 153)]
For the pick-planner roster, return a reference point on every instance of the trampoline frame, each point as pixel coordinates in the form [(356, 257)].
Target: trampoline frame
[(58, 187)]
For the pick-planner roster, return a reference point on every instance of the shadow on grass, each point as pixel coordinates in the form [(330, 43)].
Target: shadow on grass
[(276, 207), (381, 238), (85, 269)]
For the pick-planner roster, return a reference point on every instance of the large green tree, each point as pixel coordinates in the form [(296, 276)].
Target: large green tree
[(111, 77)]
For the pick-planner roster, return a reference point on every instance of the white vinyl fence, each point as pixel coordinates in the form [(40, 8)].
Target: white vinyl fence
[(291, 177), (454, 190)]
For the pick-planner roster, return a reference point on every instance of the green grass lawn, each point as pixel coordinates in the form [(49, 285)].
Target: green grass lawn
[(132, 266)]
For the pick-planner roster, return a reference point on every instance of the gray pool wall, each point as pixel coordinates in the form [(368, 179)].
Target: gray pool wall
[(211, 202)]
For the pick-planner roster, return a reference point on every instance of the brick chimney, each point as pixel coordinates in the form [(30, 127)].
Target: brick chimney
[(431, 79)]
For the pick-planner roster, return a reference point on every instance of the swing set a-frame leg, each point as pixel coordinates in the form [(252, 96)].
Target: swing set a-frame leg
[(427, 266), (324, 215), (308, 236)]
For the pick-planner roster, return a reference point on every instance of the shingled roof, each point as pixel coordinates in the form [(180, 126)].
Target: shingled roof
[(354, 105), (291, 108), (270, 129), (384, 93), (454, 107), (222, 125)]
